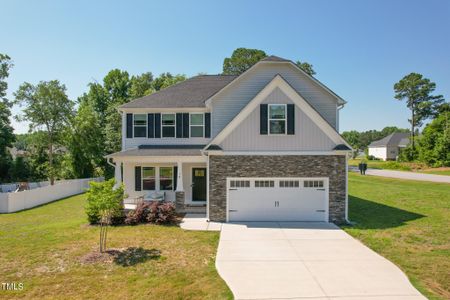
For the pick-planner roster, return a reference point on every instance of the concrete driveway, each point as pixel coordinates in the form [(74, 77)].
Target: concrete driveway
[(305, 260)]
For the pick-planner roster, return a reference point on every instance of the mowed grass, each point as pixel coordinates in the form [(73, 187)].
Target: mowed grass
[(401, 166), (407, 222), (42, 248)]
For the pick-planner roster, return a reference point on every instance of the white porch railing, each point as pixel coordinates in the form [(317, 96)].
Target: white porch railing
[(12, 202)]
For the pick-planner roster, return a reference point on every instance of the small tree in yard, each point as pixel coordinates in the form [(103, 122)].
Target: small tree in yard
[(106, 201)]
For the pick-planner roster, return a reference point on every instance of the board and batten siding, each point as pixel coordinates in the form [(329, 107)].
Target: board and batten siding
[(226, 105), (308, 136)]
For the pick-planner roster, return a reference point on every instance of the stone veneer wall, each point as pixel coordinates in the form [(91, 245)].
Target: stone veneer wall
[(223, 166), (179, 201)]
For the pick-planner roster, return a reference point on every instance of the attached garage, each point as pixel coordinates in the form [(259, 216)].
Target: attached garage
[(277, 199)]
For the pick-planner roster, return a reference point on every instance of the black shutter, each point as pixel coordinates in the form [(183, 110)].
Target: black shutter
[(175, 176), (290, 119), (179, 125), (207, 125), (151, 125), (186, 125), (157, 126), (263, 119), (137, 179), (129, 126)]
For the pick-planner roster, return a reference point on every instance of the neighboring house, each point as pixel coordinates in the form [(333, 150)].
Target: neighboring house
[(262, 146), (388, 148)]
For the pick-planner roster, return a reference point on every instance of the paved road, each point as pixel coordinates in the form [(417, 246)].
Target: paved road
[(305, 260), (406, 175)]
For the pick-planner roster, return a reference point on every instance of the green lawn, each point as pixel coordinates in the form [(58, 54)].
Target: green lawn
[(407, 222), (401, 166), (42, 248)]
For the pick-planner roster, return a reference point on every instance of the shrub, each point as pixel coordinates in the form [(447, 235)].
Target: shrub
[(156, 212), (393, 165), (371, 157), (407, 154), (165, 213), (97, 194)]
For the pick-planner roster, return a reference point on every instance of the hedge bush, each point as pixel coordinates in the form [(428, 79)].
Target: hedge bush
[(156, 212)]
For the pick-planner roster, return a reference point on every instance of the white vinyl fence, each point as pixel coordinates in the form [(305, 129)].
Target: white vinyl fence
[(12, 202)]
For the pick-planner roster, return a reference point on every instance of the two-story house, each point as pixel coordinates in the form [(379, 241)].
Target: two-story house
[(261, 146)]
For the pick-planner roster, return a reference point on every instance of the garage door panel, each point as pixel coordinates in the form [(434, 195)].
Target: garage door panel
[(278, 203)]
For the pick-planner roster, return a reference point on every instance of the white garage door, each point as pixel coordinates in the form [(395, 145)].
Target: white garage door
[(277, 199)]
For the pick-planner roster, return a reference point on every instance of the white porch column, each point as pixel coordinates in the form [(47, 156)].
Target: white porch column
[(118, 174), (180, 177)]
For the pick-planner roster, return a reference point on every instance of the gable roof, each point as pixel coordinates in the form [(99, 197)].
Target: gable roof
[(394, 139), (192, 92), (276, 59), (285, 87)]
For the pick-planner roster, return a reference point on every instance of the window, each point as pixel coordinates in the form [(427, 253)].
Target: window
[(277, 118), (264, 183), (140, 125), (239, 183), (313, 183), (289, 183), (148, 178), (197, 125), (168, 125), (166, 178)]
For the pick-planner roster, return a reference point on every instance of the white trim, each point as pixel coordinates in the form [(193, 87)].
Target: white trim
[(279, 82), (233, 82), (146, 127), (164, 109), (161, 159), (219, 152), (326, 186), (174, 125), (269, 119), (207, 188), (156, 169), (179, 187), (346, 189), (196, 113), (192, 201)]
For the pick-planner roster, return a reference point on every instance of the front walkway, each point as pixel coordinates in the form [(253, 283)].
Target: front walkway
[(305, 260), (199, 222), (406, 175)]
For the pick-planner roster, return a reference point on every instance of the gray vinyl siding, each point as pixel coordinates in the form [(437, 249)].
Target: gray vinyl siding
[(130, 143), (226, 105), (308, 136)]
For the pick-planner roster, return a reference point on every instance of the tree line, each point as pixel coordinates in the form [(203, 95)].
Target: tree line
[(70, 138), (432, 145)]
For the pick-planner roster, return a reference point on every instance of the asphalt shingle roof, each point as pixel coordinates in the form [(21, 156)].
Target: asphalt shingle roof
[(394, 139), (192, 92)]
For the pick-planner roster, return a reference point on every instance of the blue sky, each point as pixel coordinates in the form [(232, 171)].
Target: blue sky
[(359, 49)]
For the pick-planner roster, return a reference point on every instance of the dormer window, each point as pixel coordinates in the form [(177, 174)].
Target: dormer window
[(168, 125), (277, 118), (140, 125)]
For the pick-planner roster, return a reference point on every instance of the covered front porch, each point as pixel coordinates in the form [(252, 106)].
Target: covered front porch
[(163, 174)]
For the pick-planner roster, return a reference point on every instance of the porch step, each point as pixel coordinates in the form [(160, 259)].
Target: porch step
[(195, 209)]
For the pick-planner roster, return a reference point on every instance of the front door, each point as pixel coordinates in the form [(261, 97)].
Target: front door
[(198, 184)]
